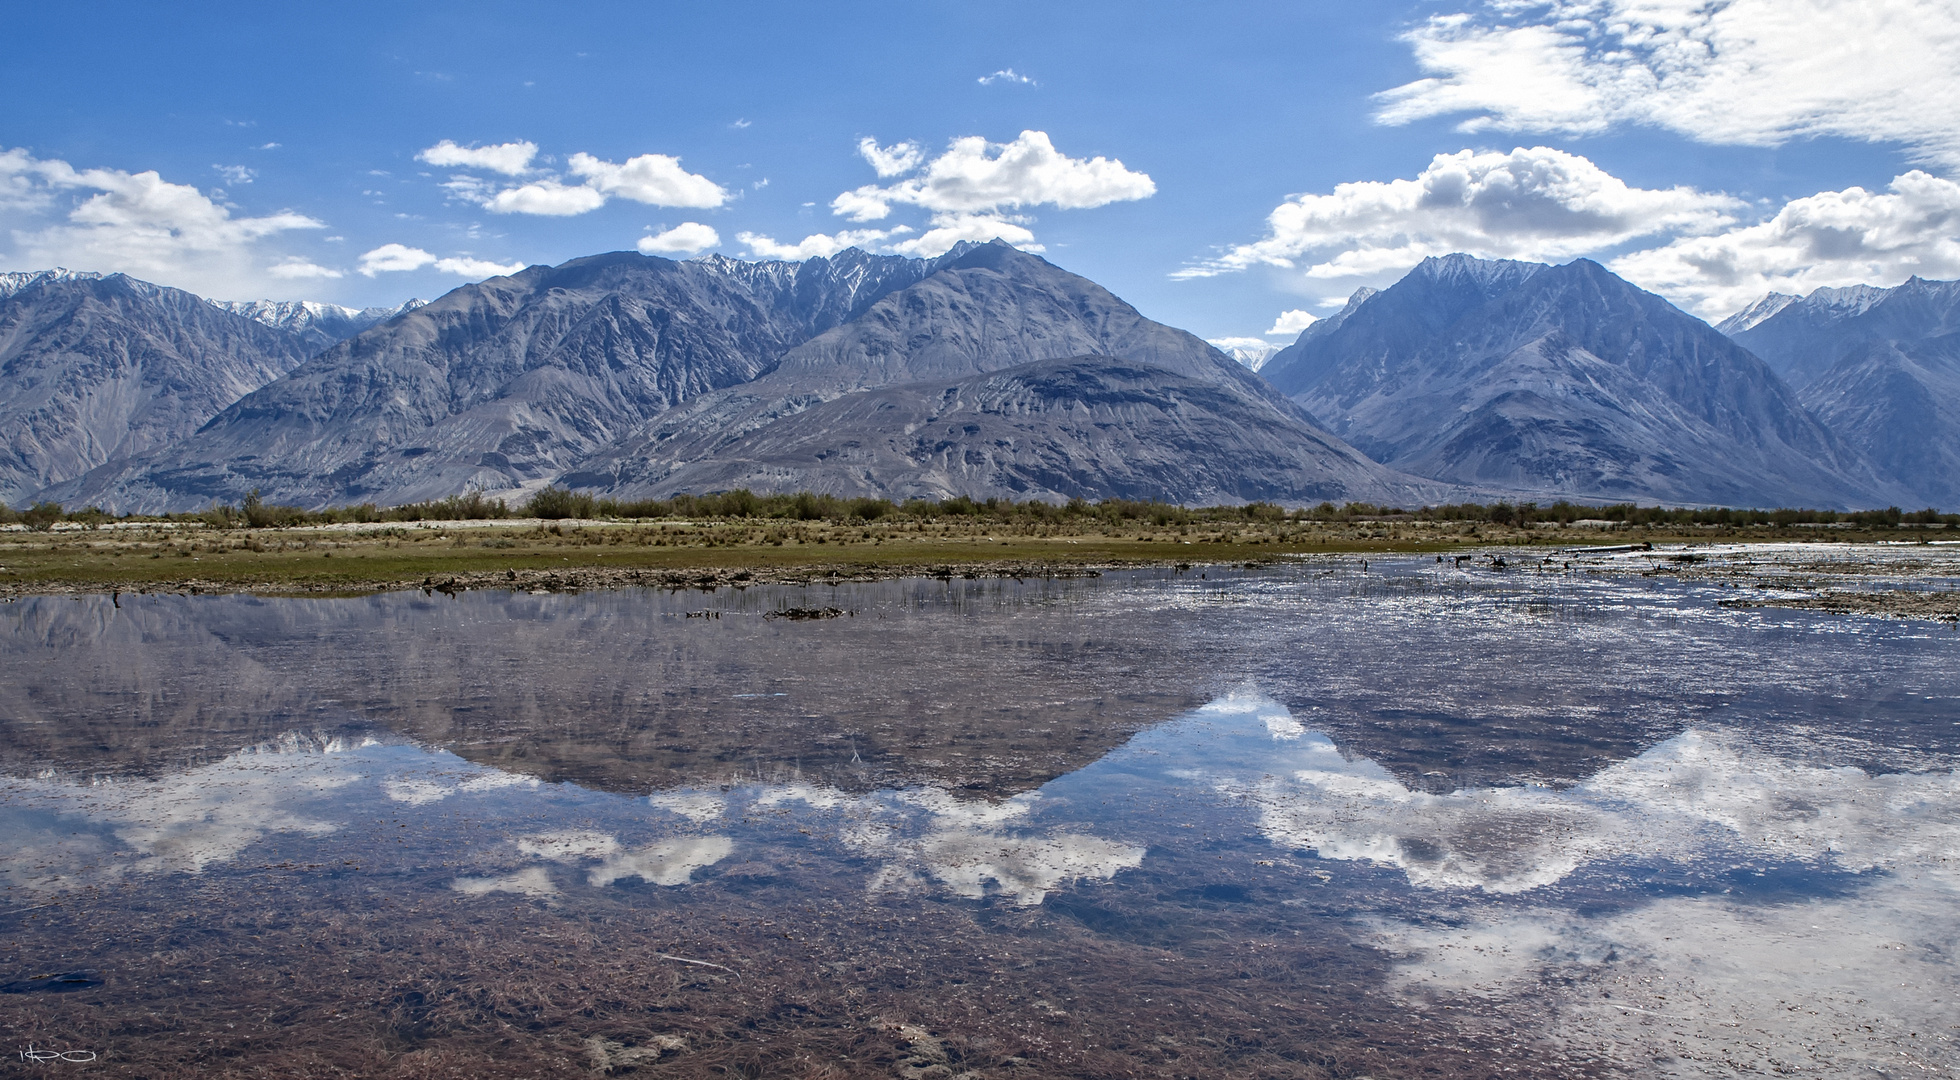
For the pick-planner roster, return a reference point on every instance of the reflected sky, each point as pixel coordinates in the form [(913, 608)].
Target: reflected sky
[(1603, 815)]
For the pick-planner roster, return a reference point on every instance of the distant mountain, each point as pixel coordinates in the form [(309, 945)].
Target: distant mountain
[(1878, 366), (1565, 381), (1752, 316), (317, 325), (502, 382), (998, 374), (1899, 402), (98, 369), (1251, 352), (1803, 339), (16, 280)]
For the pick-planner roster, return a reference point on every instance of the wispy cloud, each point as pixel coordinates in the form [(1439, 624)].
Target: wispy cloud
[(136, 223), (1007, 75), (399, 258), (1743, 72)]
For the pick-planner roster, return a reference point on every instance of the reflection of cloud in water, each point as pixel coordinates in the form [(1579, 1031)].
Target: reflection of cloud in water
[(667, 862), (670, 862), (532, 881), (962, 843), (1848, 982), (700, 806), (422, 790), (1706, 986), (1025, 868), (182, 822), (1675, 801)]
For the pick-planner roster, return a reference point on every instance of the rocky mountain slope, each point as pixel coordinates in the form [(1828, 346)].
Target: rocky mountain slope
[(1565, 381), (1088, 427), (1804, 338), (1899, 402), (502, 382), (998, 374), (98, 369), (1881, 368)]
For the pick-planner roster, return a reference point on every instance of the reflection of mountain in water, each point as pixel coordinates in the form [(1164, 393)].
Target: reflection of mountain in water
[(1680, 800), (620, 692), (1448, 680)]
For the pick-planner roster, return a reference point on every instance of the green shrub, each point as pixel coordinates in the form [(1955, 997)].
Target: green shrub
[(554, 502), (42, 516)]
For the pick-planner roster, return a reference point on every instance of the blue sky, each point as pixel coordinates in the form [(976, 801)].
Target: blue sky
[(1256, 158)]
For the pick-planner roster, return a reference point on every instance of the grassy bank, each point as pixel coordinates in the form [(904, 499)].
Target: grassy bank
[(352, 557)]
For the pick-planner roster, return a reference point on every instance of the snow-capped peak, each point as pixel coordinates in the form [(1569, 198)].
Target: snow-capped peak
[(301, 315), (1251, 351), (1753, 315), (1848, 301), (11, 283)]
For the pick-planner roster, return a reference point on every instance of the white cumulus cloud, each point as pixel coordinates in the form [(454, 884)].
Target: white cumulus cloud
[(684, 239), (548, 198), (464, 266), (977, 176), (655, 179), (949, 229), (1747, 72), (1830, 239), (894, 160), (1292, 322), (511, 158), (816, 245), (136, 223), (970, 193), (398, 258), (390, 258), (1537, 203)]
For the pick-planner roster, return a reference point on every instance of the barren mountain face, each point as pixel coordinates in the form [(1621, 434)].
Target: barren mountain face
[(1566, 382), (101, 369)]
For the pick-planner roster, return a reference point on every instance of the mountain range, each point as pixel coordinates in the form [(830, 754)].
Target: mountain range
[(603, 369), (1880, 367), (98, 369), (987, 371), (1565, 382)]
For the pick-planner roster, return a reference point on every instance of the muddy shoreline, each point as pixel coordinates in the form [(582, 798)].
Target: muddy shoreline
[(591, 578)]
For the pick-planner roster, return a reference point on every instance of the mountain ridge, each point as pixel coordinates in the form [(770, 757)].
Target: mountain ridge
[(985, 309), (1878, 367), (501, 382), (101, 368), (1565, 382)]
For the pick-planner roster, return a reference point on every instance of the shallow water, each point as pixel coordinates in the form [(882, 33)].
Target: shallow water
[(1304, 820)]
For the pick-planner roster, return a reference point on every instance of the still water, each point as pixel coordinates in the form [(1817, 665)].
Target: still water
[(1301, 820)]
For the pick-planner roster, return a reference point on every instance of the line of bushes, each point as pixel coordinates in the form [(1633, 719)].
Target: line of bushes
[(556, 503)]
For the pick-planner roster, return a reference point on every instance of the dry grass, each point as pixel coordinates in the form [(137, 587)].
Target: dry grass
[(599, 555)]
